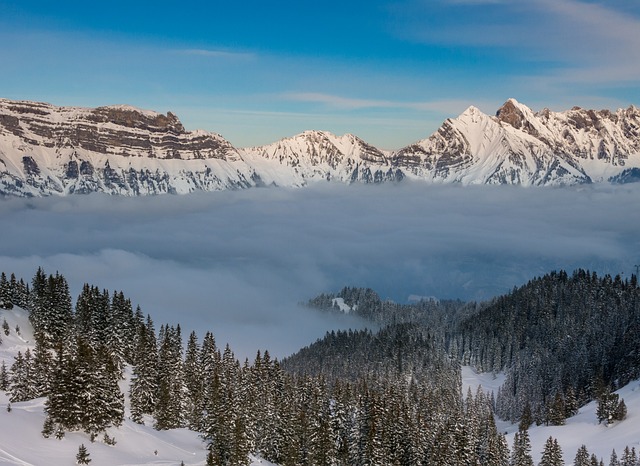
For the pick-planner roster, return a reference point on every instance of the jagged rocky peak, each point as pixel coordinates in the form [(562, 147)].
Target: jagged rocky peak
[(511, 113), (132, 117)]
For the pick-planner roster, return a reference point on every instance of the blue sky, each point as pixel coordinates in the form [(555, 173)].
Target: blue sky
[(255, 71)]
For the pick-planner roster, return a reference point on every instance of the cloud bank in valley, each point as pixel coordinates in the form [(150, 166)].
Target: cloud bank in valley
[(239, 262)]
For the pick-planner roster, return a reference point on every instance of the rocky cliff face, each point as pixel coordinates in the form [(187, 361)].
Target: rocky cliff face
[(118, 149), (47, 150)]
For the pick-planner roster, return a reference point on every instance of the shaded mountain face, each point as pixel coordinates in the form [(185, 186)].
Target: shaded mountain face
[(47, 150)]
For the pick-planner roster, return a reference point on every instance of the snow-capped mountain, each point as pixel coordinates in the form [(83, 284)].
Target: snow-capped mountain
[(518, 146), (319, 155), (119, 149), (48, 150)]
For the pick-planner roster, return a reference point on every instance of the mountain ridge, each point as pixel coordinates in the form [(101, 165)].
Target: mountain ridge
[(119, 149)]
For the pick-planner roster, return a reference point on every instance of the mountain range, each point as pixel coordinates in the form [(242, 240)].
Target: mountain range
[(48, 150)]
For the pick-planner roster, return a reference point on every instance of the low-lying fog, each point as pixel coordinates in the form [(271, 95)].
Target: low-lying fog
[(239, 262)]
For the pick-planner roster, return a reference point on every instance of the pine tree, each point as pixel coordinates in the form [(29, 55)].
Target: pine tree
[(4, 377), (582, 457), (42, 365), (629, 457), (613, 461), (193, 379), (5, 293), (144, 383), (21, 382), (169, 412), (83, 455), (521, 452), (552, 454)]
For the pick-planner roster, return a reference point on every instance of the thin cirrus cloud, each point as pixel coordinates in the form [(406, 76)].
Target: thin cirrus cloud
[(452, 106), (213, 53), (583, 41), (237, 263)]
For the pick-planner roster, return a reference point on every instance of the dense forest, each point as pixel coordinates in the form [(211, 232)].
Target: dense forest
[(391, 396)]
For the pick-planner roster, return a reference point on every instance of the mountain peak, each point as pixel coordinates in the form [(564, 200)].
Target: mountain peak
[(513, 113)]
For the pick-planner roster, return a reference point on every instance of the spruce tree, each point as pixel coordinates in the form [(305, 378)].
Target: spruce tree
[(83, 455), (143, 391), (582, 457), (552, 454), (4, 377), (5, 293), (521, 451), (21, 382)]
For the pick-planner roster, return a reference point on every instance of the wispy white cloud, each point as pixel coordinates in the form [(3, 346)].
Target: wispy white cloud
[(563, 42), (215, 53), (446, 106)]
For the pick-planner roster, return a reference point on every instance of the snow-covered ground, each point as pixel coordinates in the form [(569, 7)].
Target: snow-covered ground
[(21, 441), (581, 429)]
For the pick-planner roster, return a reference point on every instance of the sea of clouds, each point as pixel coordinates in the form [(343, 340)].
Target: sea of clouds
[(239, 262)]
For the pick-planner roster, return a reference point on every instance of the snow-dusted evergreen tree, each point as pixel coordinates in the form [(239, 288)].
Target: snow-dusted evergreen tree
[(42, 365), (144, 382), (609, 407), (552, 454), (21, 383), (582, 457), (84, 391), (521, 451), (193, 379), (83, 457), (50, 307), (4, 377), (120, 331), (613, 460), (6, 301), (629, 457), (169, 411)]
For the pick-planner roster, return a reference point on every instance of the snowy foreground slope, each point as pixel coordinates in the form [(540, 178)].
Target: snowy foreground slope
[(581, 429), (47, 150), (21, 441)]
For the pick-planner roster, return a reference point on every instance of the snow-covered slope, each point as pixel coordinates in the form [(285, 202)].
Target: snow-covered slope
[(581, 429), (48, 150), (22, 444)]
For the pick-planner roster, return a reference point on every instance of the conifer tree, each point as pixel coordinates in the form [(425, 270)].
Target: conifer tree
[(21, 382), (552, 454), (521, 452), (4, 377), (613, 461), (629, 457), (83, 455), (169, 410), (193, 379), (582, 457), (144, 383), (5, 293)]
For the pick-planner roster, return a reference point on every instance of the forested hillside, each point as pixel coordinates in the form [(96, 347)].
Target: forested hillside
[(560, 337), (390, 396)]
